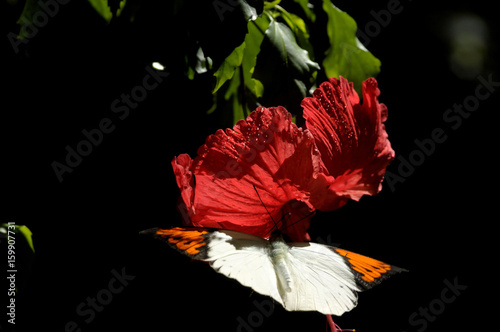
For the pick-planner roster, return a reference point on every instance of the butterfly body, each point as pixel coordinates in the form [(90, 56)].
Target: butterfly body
[(279, 257), (301, 276)]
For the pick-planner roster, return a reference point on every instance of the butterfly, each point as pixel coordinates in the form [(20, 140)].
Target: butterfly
[(301, 276)]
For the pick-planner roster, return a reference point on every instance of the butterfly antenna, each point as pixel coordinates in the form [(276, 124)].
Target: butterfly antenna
[(264, 205)]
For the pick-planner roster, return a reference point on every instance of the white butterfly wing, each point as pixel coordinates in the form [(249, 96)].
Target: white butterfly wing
[(244, 257), (322, 280), (299, 276)]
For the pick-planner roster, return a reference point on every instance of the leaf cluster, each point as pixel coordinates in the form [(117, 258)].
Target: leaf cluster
[(247, 52), (289, 47)]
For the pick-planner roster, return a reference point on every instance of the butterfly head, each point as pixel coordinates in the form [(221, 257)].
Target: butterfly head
[(276, 235)]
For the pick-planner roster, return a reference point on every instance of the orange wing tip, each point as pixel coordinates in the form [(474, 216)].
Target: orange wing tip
[(368, 271), (189, 241)]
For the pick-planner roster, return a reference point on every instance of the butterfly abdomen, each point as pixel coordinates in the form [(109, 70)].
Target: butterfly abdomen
[(279, 254)]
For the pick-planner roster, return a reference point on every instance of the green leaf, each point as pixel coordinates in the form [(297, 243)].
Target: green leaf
[(346, 55), (284, 68), (31, 7), (238, 106), (189, 71), (214, 104), (227, 68), (299, 28), (197, 63), (293, 56), (242, 90), (203, 63), (253, 40), (249, 11), (271, 4), (27, 235), (120, 7), (309, 13), (233, 86), (102, 8)]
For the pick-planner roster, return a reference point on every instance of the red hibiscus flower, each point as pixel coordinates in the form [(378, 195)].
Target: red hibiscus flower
[(268, 156), (351, 137), (267, 173)]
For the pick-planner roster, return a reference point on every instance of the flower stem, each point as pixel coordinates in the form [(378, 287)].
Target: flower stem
[(334, 327)]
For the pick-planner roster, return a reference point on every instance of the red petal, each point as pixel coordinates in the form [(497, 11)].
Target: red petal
[(184, 178), (267, 151), (351, 138)]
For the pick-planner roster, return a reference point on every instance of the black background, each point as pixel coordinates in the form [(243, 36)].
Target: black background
[(436, 223)]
